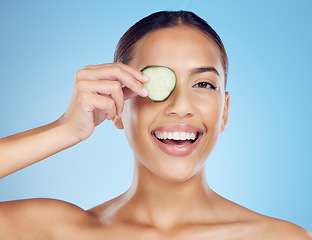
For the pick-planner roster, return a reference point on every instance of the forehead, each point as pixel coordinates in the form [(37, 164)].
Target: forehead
[(180, 48)]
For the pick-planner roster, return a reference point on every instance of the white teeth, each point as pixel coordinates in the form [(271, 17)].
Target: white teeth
[(175, 135), (188, 136), (193, 136), (159, 135), (170, 136), (183, 136)]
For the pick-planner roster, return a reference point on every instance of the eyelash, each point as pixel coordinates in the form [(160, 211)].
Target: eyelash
[(208, 85)]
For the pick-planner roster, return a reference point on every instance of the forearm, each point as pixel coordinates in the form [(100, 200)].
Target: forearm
[(93, 100), (26, 148)]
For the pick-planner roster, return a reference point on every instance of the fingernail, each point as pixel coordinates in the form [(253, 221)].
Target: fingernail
[(145, 92)]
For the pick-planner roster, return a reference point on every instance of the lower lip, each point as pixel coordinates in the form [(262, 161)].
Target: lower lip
[(176, 151)]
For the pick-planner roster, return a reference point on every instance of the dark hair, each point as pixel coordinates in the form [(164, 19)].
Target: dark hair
[(166, 19)]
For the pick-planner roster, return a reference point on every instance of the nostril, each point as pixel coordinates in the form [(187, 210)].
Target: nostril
[(179, 109), (179, 104), (179, 112)]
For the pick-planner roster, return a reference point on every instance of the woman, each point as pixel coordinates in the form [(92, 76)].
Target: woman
[(169, 197)]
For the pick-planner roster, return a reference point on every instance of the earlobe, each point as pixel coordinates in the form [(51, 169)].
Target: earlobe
[(225, 114), (118, 123)]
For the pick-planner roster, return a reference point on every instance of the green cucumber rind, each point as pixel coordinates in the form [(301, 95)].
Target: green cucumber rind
[(146, 71)]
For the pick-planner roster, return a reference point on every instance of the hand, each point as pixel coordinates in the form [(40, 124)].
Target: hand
[(99, 93)]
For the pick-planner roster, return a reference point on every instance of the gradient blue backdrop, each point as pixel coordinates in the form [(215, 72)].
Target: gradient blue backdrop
[(262, 160)]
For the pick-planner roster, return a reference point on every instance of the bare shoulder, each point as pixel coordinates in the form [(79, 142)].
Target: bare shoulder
[(281, 229), (265, 227), (38, 218), (40, 207), (253, 225)]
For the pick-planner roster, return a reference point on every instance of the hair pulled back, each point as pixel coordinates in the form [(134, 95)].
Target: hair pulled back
[(166, 19)]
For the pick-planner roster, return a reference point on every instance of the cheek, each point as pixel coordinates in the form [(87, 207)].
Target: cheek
[(138, 112), (129, 117), (137, 117), (210, 108)]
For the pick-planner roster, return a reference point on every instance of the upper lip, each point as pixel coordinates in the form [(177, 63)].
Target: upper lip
[(178, 128)]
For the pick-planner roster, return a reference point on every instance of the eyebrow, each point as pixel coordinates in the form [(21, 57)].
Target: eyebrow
[(194, 71), (204, 69)]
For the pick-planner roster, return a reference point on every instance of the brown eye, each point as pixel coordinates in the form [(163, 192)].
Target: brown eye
[(204, 85)]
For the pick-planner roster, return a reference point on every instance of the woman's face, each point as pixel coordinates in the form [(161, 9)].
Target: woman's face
[(197, 107)]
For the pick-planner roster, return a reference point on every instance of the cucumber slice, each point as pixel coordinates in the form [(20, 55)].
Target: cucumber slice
[(162, 81)]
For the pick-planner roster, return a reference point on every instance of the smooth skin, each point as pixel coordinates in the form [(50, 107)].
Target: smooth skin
[(169, 197)]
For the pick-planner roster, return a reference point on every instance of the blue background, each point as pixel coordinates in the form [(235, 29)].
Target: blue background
[(263, 159)]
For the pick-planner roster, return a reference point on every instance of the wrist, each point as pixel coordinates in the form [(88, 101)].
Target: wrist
[(65, 131)]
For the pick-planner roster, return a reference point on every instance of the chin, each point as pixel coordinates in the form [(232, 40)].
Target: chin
[(177, 173)]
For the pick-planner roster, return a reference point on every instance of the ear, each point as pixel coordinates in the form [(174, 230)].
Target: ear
[(225, 114), (118, 123)]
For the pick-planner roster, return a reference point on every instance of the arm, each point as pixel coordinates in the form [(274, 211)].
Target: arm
[(21, 150), (98, 95)]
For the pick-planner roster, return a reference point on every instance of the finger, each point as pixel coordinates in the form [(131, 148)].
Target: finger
[(136, 73), (93, 66), (93, 102), (113, 73), (105, 87)]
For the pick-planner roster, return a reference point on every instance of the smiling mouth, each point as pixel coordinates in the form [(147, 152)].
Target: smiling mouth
[(178, 139)]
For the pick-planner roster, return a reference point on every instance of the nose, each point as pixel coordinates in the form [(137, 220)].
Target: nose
[(179, 104)]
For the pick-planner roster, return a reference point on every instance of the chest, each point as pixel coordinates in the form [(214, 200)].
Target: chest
[(134, 232)]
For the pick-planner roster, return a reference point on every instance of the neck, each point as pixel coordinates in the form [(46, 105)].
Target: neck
[(163, 203)]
